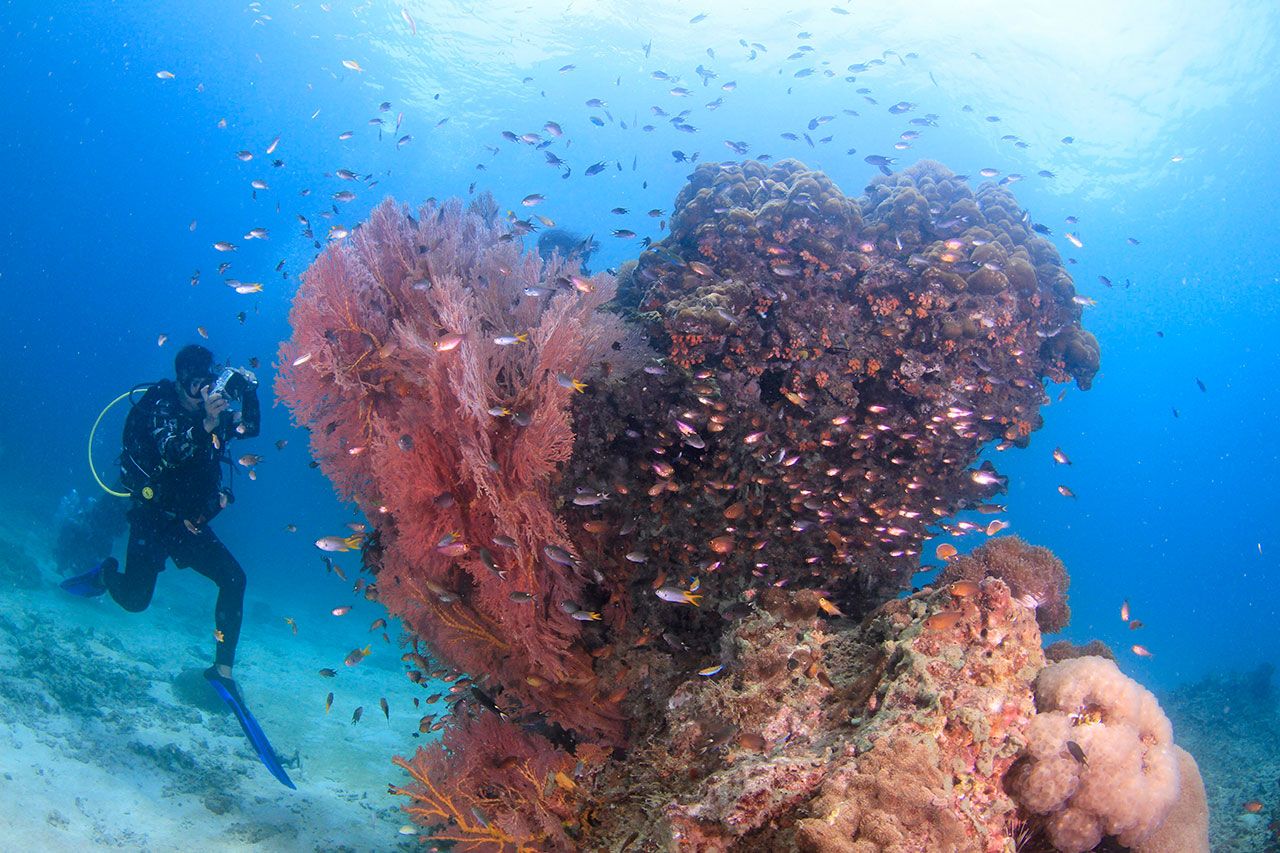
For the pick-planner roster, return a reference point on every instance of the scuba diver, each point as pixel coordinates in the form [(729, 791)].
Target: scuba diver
[(174, 444), (567, 244)]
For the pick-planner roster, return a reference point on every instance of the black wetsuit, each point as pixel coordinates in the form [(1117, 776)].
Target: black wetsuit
[(177, 459)]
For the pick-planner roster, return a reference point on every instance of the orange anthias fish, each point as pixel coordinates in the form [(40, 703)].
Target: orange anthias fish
[(1141, 651), (1124, 611), (942, 620), (829, 607), (945, 551), (1252, 807)]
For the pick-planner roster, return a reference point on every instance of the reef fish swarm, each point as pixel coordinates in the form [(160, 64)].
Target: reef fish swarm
[(834, 366)]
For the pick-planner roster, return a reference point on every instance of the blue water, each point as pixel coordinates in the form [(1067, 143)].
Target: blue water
[(1172, 106)]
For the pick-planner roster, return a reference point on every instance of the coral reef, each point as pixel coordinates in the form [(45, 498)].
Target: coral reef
[(640, 570), (1035, 575), (1230, 721), (1100, 758), (1064, 649)]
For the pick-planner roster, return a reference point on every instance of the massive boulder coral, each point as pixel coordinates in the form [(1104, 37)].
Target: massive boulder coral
[(834, 366), (1186, 827), (1099, 760)]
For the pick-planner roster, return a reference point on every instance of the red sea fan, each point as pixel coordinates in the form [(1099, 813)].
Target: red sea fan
[(491, 786), (449, 436)]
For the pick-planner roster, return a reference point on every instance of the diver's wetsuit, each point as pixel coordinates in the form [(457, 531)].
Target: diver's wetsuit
[(183, 468)]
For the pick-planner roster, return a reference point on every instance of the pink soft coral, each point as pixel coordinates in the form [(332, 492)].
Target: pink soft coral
[(1099, 759)]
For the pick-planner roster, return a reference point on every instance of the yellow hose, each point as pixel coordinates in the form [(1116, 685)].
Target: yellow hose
[(104, 486)]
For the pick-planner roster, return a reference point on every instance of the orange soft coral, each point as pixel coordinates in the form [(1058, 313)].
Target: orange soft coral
[(1038, 578)]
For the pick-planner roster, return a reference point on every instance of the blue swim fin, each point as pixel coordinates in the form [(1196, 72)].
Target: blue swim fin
[(226, 688), (90, 584)]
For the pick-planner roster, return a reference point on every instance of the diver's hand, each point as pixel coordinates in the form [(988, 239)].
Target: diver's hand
[(214, 406)]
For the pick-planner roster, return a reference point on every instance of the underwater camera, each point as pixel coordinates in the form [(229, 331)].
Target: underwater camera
[(232, 382)]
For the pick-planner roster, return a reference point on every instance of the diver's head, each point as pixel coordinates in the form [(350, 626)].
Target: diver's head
[(568, 245), (193, 368)]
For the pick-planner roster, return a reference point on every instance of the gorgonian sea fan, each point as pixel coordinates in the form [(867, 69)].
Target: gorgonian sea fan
[(489, 785), (405, 425)]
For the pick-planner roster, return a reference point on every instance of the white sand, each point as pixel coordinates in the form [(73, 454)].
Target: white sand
[(98, 751)]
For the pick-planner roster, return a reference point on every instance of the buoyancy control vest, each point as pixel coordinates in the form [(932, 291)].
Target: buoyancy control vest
[(188, 490)]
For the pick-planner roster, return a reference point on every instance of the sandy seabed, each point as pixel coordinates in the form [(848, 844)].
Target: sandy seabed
[(111, 739)]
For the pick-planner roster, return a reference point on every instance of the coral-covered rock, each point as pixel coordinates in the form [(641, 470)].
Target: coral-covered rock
[(1034, 574), (828, 370), (823, 735), (1099, 759)]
